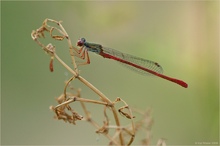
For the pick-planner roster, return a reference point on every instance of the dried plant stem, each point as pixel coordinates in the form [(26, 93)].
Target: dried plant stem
[(66, 98), (104, 98)]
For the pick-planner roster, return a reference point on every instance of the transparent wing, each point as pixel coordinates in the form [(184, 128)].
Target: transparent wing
[(130, 60)]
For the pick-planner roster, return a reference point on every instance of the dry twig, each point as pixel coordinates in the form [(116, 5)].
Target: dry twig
[(66, 113), (66, 98)]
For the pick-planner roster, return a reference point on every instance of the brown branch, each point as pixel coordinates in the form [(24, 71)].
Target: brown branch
[(64, 110)]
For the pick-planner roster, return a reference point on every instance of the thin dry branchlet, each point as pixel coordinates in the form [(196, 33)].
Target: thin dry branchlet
[(123, 135)]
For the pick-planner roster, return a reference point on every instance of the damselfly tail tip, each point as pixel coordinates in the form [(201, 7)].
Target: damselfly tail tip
[(183, 84)]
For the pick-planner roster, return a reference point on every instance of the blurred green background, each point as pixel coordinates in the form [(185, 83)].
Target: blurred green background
[(182, 36)]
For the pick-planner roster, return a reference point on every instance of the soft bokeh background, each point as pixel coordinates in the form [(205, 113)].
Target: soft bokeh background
[(182, 36)]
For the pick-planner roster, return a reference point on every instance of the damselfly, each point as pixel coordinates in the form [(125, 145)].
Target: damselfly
[(140, 65)]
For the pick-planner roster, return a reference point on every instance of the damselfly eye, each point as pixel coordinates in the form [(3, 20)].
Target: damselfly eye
[(81, 42)]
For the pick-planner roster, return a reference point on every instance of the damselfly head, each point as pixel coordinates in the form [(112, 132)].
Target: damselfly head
[(81, 42)]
